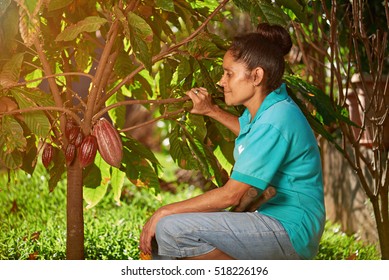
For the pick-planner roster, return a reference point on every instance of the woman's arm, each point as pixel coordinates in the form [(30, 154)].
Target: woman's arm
[(203, 105), (211, 201)]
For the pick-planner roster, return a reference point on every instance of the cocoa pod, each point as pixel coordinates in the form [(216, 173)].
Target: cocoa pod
[(70, 153), (73, 134), (87, 151), (47, 155), (109, 143), (79, 139)]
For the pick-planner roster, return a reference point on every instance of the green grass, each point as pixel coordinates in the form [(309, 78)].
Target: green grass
[(33, 222)]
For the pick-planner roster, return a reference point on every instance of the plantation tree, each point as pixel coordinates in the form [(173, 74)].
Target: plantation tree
[(145, 52), (127, 52)]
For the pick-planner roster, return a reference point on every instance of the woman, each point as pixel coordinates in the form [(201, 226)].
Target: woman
[(274, 146)]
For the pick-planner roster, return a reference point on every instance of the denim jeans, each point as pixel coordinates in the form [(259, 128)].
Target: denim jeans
[(242, 235)]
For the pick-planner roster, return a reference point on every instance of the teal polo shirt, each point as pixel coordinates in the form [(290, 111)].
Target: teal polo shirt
[(277, 147)]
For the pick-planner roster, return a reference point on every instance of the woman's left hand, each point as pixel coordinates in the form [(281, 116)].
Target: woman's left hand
[(148, 232)]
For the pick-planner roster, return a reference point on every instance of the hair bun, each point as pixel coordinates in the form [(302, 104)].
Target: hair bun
[(277, 35)]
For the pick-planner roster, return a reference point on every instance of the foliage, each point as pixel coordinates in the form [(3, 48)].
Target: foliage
[(157, 53), (111, 230), (336, 245)]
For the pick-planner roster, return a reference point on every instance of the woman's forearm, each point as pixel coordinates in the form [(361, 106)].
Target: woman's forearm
[(210, 201), (227, 119)]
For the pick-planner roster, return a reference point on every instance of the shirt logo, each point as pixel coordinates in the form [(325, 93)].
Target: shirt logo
[(240, 149)]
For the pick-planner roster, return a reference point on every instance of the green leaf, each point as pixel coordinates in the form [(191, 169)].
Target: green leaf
[(11, 135), (34, 75), (89, 24), (327, 109), (202, 153), (140, 34), (31, 5), (35, 96), (11, 70), (263, 10), (180, 151), (93, 195), (30, 155), (296, 7), (13, 160), (118, 114), (91, 176), (36, 121), (167, 5), (58, 4), (139, 149), (117, 181), (139, 171), (57, 169)]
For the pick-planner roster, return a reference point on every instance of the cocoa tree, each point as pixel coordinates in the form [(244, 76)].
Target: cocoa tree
[(67, 64)]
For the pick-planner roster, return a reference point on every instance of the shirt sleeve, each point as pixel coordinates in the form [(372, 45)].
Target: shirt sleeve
[(261, 156)]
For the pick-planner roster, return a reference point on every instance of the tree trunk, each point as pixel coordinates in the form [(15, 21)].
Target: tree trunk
[(382, 222), (384, 242), (74, 213)]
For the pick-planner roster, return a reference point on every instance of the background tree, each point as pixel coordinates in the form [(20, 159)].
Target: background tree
[(136, 52), (344, 52)]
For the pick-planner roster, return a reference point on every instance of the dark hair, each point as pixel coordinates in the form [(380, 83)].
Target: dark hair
[(264, 48)]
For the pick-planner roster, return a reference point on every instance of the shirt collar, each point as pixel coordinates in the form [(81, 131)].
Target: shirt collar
[(272, 98)]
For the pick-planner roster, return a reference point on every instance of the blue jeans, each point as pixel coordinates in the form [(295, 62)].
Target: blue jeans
[(242, 235)]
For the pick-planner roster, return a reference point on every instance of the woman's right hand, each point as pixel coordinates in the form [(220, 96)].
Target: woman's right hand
[(202, 101)]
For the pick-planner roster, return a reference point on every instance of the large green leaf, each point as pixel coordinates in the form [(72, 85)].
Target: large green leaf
[(36, 121), (118, 114), (93, 194), (297, 7), (89, 24), (139, 171), (11, 70), (328, 110), (13, 160), (140, 34), (11, 135), (180, 151), (56, 169), (137, 148), (262, 9), (195, 134)]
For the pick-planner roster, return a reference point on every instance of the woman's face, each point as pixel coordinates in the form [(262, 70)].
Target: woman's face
[(236, 81)]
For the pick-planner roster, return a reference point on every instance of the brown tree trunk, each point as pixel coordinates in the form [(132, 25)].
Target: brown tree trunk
[(382, 222), (74, 213), (384, 242)]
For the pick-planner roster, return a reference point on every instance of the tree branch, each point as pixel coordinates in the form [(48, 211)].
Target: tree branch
[(96, 82), (146, 101), (164, 116), (48, 108), (163, 54)]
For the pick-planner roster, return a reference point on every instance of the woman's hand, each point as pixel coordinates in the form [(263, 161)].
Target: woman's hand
[(203, 105), (148, 232), (202, 101)]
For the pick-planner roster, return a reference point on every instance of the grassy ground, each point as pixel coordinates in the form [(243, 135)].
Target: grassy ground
[(33, 222)]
